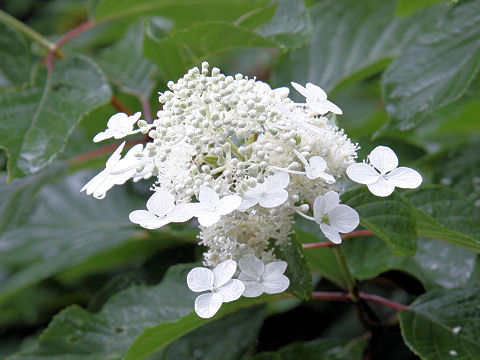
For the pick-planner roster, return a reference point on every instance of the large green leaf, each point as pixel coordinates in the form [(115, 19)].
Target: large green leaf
[(325, 349), (183, 12), (444, 214), (125, 66), (443, 324), (436, 69), (16, 61), (65, 230), (351, 40), (391, 219), (76, 333), (35, 121), (435, 263)]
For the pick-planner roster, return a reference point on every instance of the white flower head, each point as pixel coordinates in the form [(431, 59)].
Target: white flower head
[(317, 99), (211, 207), (270, 194), (161, 210), (315, 168), (333, 217), (259, 278), (382, 174), (222, 288), (118, 126)]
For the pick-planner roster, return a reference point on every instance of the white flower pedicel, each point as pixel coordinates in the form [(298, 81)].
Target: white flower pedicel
[(242, 159)]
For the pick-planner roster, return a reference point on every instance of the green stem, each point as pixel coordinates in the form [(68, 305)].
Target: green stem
[(347, 275), (235, 150), (26, 30)]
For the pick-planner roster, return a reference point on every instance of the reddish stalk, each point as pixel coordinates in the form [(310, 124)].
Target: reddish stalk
[(357, 233), (119, 106), (103, 150), (344, 236), (147, 111), (345, 297)]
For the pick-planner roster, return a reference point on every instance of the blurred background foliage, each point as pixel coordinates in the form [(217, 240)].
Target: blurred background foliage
[(78, 281)]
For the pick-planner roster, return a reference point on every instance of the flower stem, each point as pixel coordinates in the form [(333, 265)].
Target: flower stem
[(120, 106), (322, 244), (235, 150), (340, 296), (26, 30), (347, 275), (357, 233)]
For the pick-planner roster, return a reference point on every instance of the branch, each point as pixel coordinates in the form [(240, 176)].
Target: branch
[(120, 106), (345, 297), (344, 236), (104, 150)]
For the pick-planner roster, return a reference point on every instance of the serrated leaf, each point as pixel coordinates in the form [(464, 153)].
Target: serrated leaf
[(443, 324), (351, 40), (184, 48), (75, 333), (435, 70), (37, 120), (67, 229), (156, 338), (297, 270), (444, 214), (183, 12), (325, 349), (125, 66), (391, 219), (16, 63), (435, 263)]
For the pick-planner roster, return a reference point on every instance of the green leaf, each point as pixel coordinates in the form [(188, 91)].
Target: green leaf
[(75, 333), (16, 61), (391, 218), (325, 349), (321, 260), (37, 120), (184, 48), (183, 12), (125, 66), (351, 41), (223, 339), (297, 270), (443, 324), (18, 198), (435, 263), (156, 338), (435, 70), (444, 214), (408, 7), (66, 229)]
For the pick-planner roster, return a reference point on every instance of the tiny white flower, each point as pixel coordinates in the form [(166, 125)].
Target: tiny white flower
[(259, 278), (117, 171), (161, 210), (317, 99), (315, 168), (220, 284), (383, 182), (333, 217), (118, 126), (210, 207), (270, 194)]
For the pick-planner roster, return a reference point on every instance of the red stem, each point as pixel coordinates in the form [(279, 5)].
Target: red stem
[(345, 297), (120, 106), (104, 150), (357, 233), (344, 236), (147, 111)]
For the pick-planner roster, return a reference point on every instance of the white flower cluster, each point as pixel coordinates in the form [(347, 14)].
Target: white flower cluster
[(242, 159)]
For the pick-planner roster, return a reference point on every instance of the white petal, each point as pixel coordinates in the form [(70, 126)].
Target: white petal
[(103, 135), (300, 89), (248, 202), (227, 204), (208, 197), (331, 200), (381, 188), (161, 203), (208, 218), (180, 213), (278, 180), (224, 272), (252, 288), (232, 290), (318, 163), (404, 177), (117, 121), (316, 91), (274, 269), (142, 217), (319, 208), (251, 266), (207, 305), (301, 157), (115, 157), (333, 108), (95, 182), (274, 199), (276, 284), (343, 218), (362, 173), (281, 92), (200, 279), (383, 158), (331, 233), (319, 107)]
